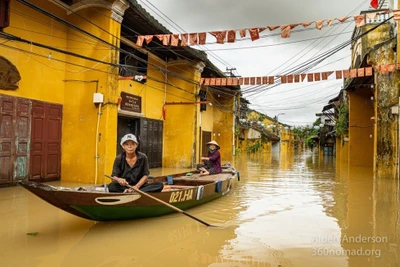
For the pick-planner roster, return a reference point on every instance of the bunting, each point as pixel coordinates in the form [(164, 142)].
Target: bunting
[(296, 78), (230, 35)]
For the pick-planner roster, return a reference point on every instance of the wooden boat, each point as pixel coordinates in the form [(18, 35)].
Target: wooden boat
[(184, 191)]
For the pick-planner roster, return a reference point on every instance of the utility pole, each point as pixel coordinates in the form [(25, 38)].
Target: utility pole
[(229, 72)]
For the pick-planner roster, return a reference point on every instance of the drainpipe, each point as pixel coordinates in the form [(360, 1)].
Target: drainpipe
[(97, 145)]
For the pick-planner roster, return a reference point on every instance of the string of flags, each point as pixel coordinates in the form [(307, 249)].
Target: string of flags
[(295, 78), (230, 36), (291, 78)]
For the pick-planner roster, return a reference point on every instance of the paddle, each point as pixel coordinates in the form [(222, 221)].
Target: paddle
[(164, 203)]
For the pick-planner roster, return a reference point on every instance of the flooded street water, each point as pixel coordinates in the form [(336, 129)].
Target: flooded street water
[(288, 210)]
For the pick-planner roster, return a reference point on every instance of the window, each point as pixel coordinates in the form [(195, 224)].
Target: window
[(4, 13), (133, 62)]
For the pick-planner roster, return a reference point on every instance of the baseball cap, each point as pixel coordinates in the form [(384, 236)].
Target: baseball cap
[(128, 137)]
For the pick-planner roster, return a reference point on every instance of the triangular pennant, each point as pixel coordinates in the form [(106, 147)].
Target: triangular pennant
[(242, 33), (310, 77), (303, 76), (220, 36), (166, 39), (229, 81), (342, 19), (206, 81), (235, 81), (139, 41), (261, 29), (346, 74), (329, 22), (290, 78), (296, 78), (212, 81), (174, 39), (252, 80), (283, 79), (265, 80), (246, 80), (185, 38), (317, 77), (339, 74), (272, 28), (223, 81), (201, 81), (241, 80), (306, 24), (271, 79), (285, 31), (217, 81), (353, 73), (193, 39), (319, 24), (360, 72), (254, 35), (231, 36), (258, 80), (359, 20), (202, 38), (148, 38)]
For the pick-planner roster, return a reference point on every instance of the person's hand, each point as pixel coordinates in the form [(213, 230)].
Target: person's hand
[(131, 189), (121, 181)]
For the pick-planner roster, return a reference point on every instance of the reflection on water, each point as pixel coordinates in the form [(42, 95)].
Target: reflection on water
[(289, 209)]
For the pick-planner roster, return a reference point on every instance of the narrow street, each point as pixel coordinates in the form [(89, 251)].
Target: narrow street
[(287, 210)]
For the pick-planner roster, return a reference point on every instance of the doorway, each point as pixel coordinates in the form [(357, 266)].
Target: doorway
[(149, 134)]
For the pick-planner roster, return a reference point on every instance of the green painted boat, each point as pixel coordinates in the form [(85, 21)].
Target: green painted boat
[(94, 203)]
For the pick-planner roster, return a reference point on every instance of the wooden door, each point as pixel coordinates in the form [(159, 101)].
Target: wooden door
[(15, 123), (7, 129), (151, 132), (22, 139), (205, 138), (46, 141)]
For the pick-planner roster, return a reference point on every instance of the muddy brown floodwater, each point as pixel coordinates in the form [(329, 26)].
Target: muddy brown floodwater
[(289, 209)]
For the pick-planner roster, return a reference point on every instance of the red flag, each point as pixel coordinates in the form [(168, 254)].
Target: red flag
[(374, 3)]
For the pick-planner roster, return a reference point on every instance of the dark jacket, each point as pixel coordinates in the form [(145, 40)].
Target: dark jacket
[(132, 175)]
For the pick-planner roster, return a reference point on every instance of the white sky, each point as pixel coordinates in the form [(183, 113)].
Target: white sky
[(270, 55)]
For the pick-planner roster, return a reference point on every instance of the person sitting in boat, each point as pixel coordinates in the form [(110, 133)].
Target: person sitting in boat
[(131, 167), (212, 163)]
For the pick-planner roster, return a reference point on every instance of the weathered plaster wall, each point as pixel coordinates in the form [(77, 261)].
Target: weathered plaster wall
[(386, 96)]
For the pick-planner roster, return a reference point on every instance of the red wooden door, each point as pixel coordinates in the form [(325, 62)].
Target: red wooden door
[(46, 141), (22, 139), (15, 123), (7, 129)]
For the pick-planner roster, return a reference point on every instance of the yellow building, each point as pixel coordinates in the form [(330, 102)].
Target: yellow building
[(73, 82)]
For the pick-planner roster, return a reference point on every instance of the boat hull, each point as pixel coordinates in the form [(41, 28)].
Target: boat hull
[(103, 206)]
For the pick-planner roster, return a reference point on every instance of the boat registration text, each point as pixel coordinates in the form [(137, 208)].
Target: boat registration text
[(180, 196)]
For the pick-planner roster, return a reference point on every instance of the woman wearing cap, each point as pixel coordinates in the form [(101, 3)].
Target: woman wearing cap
[(212, 163), (131, 167)]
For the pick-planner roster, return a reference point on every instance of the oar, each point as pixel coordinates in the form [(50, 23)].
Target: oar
[(165, 203)]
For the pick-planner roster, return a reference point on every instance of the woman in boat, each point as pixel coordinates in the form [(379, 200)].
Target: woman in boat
[(131, 167), (212, 163)]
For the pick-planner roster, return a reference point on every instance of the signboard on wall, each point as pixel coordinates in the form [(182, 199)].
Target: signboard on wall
[(131, 102)]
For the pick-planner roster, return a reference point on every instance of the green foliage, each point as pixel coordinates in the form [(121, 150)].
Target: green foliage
[(254, 148), (237, 150), (342, 122)]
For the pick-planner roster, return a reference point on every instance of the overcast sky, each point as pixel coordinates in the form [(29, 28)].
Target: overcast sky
[(270, 55)]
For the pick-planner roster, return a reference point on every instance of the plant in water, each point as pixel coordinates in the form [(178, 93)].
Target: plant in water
[(254, 148), (342, 122)]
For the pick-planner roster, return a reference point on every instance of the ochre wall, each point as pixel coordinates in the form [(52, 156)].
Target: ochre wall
[(361, 143)]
